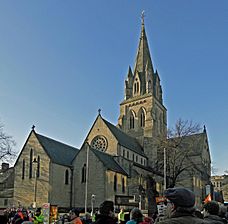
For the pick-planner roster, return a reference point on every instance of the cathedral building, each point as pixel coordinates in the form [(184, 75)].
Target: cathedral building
[(115, 162)]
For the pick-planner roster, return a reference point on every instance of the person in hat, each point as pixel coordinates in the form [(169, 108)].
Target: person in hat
[(106, 215), (136, 216), (75, 216), (211, 213), (180, 207)]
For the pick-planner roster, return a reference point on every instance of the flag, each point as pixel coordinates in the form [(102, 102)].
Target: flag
[(208, 198)]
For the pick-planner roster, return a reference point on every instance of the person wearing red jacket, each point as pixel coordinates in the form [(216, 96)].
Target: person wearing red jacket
[(74, 216)]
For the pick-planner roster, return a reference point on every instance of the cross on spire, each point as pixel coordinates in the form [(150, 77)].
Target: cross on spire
[(143, 16), (33, 127), (99, 111)]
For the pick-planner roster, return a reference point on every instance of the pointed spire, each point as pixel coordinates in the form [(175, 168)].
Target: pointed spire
[(143, 52), (129, 74)]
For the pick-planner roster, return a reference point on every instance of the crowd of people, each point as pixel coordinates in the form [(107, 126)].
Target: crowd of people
[(22, 216), (180, 208)]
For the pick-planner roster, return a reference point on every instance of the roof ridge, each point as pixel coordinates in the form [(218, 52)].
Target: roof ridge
[(56, 141)]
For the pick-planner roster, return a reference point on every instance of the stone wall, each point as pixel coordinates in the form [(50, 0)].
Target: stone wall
[(24, 189)]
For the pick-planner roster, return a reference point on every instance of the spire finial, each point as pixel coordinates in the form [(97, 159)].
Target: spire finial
[(204, 129), (143, 16), (33, 127), (99, 111)]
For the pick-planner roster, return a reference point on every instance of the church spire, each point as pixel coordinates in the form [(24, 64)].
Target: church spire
[(143, 53)]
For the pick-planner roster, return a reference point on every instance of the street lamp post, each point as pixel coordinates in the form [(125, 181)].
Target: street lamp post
[(35, 184), (164, 168), (92, 202), (140, 201)]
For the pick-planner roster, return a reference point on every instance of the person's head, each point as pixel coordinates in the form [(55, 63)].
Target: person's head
[(24, 212), (107, 208), (222, 211), (38, 211), (179, 199), (211, 208), (122, 209), (136, 215), (74, 213)]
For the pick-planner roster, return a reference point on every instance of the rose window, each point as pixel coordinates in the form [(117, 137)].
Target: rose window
[(100, 143)]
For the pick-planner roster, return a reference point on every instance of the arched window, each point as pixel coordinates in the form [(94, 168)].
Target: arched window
[(142, 118), (123, 185), (23, 170), (66, 177), (30, 163), (38, 167), (84, 173), (115, 183), (132, 121), (135, 88), (123, 153)]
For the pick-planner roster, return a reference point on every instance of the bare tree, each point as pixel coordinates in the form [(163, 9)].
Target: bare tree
[(177, 146), (7, 151)]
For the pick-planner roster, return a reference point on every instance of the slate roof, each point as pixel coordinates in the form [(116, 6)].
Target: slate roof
[(195, 142), (108, 161), (124, 139), (58, 152), (4, 175)]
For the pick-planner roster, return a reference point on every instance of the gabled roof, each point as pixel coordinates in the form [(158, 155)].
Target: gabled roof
[(58, 152), (124, 139), (109, 161), (195, 142)]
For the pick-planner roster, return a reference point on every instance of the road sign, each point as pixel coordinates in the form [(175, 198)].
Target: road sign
[(125, 200)]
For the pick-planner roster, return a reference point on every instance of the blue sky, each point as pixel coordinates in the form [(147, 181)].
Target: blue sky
[(60, 61)]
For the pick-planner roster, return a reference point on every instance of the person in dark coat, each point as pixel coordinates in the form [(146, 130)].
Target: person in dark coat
[(3, 217), (21, 216), (211, 213), (180, 207), (106, 215)]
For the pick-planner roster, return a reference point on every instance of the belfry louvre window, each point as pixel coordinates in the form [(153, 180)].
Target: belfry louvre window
[(142, 119), (132, 121)]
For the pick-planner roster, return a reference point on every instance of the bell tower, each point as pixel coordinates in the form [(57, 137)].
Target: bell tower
[(142, 113)]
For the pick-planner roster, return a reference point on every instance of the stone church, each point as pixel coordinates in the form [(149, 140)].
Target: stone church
[(116, 161)]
